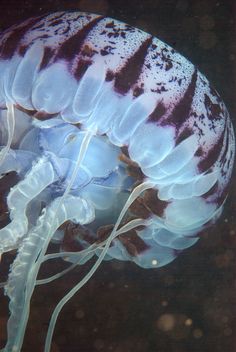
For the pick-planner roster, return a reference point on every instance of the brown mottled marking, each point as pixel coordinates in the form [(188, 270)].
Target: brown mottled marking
[(130, 72), (71, 231), (109, 76), (88, 51), (130, 240), (187, 132), (22, 50), (39, 115), (153, 203), (133, 243), (104, 231), (28, 112), (212, 155), (226, 146), (127, 160), (138, 91), (157, 113), (47, 55), (213, 110), (182, 110), (69, 244), (82, 67), (72, 46), (139, 208), (10, 45), (42, 115), (132, 168)]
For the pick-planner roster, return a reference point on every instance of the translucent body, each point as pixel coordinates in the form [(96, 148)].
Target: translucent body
[(102, 115)]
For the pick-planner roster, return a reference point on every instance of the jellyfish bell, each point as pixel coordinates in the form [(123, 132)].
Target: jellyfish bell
[(121, 148)]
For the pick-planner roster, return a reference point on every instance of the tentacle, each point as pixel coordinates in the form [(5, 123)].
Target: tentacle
[(58, 275), (10, 128), (80, 258), (31, 254), (65, 255), (132, 224), (84, 255), (39, 177), (22, 279)]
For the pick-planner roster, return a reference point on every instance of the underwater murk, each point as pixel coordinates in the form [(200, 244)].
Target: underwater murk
[(114, 149)]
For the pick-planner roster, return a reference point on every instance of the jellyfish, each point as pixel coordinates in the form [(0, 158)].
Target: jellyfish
[(113, 145)]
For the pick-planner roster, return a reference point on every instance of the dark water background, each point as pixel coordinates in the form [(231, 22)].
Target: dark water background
[(190, 305)]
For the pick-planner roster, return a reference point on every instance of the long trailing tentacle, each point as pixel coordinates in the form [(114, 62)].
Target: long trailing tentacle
[(132, 224), (80, 258), (21, 281)]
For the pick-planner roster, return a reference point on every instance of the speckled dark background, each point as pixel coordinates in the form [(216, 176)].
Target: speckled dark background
[(190, 305)]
